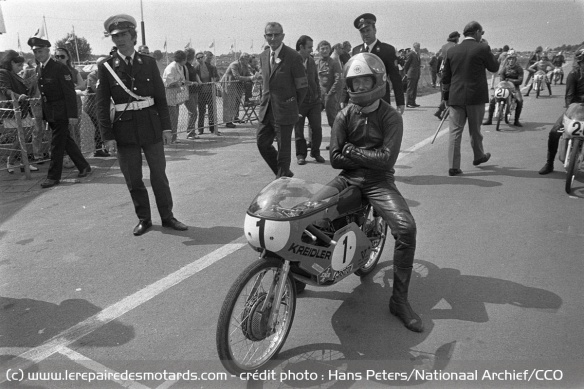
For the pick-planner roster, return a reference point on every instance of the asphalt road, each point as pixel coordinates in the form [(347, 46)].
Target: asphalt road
[(498, 272)]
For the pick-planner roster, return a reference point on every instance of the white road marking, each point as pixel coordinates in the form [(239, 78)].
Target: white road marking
[(408, 152), (98, 368), (59, 342)]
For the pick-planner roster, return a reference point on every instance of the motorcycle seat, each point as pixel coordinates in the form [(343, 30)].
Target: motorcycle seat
[(350, 199)]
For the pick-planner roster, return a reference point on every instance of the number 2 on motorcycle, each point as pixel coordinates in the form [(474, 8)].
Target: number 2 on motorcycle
[(344, 251), (575, 128)]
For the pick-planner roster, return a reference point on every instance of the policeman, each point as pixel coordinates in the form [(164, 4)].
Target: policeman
[(140, 123), (59, 104), (366, 26)]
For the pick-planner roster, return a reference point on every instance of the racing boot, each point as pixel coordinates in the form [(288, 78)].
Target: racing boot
[(398, 303), (529, 90), (553, 144), (518, 110), (489, 120), (550, 88)]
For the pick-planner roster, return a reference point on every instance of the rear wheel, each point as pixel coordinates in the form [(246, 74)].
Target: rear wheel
[(376, 230), (572, 163), (502, 107), (244, 341)]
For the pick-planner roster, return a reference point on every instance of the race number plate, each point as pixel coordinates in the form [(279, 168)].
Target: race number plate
[(502, 93), (573, 127)]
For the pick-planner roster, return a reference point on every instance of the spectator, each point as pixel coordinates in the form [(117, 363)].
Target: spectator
[(329, 75), (233, 81), (337, 50), (59, 103), (90, 108), (452, 41), (10, 82), (412, 70), (283, 91), (310, 107), (62, 55), (467, 92), (207, 75), (143, 49), (346, 54), (175, 81), (433, 69), (193, 101), (146, 125), (40, 143)]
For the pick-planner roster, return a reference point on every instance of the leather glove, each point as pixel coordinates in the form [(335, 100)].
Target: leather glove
[(347, 148)]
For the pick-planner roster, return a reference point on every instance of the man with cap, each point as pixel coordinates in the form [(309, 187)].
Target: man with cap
[(366, 26), (450, 42), (141, 122), (412, 69), (466, 91), (59, 104)]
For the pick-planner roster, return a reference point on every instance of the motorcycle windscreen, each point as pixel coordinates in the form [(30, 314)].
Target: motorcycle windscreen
[(286, 198)]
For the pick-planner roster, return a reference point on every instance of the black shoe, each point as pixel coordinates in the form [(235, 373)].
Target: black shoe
[(416, 105), (438, 114), (454, 172), (48, 183), (101, 153), (288, 174), (301, 161), (487, 122), (230, 125), (517, 124), (174, 224), (410, 106), (84, 172), (142, 227), (318, 158), (406, 314), (192, 135), (483, 159), (547, 168)]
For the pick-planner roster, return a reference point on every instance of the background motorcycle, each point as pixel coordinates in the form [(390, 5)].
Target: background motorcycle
[(572, 143), (538, 81), (306, 233)]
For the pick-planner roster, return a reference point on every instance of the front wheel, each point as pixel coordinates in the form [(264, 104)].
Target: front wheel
[(537, 89), (244, 341), (500, 113), (572, 161), (376, 230)]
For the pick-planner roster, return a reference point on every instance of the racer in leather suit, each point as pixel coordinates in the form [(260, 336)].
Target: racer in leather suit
[(511, 72), (365, 143), (543, 65), (574, 94)]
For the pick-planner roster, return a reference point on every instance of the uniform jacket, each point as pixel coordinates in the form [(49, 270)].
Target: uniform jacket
[(57, 90), (464, 78), (285, 88), (388, 56), (137, 127), (413, 65), (376, 137)]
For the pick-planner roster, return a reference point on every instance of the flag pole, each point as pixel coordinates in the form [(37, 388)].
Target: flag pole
[(76, 47), (46, 30)]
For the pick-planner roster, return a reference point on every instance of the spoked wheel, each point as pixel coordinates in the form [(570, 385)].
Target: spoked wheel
[(244, 341), (376, 230), (502, 107), (572, 163)]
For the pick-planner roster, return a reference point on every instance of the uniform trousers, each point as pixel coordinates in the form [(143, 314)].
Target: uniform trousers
[(62, 142), (412, 91), (459, 115), (389, 203), (269, 129), (312, 111), (130, 160)]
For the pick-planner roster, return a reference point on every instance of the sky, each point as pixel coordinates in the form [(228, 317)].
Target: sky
[(521, 24)]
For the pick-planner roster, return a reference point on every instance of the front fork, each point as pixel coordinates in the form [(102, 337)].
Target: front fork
[(274, 298), (568, 153)]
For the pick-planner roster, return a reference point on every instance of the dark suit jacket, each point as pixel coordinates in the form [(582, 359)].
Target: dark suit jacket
[(57, 90), (389, 58), (138, 127), (313, 92), (412, 65), (464, 78), (285, 88)]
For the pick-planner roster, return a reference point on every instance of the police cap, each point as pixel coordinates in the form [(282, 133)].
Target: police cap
[(119, 23), (364, 21), (37, 43)]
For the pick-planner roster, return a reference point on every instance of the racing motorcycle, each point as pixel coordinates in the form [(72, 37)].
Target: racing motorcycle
[(539, 79), (572, 143), (505, 102), (306, 234), (557, 74)]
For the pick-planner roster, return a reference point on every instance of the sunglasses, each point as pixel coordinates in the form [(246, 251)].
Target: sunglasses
[(199, 57), (61, 56), (272, 36)]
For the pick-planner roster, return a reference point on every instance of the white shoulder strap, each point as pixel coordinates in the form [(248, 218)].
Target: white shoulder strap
[(109, 68)]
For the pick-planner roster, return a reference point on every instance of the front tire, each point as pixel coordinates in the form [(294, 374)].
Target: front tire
[(500, 113), (243, 341), (572, 161), (537, 89), (376, 230)]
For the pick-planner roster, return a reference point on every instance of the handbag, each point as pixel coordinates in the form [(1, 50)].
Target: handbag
[(176, 95)]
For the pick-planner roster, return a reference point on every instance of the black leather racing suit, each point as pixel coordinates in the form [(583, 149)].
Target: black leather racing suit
[(366, 147)]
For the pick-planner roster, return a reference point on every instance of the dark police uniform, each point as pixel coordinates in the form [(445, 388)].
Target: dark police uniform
[(59, 103), (137, 126)]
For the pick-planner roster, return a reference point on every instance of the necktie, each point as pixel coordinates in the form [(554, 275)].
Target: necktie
[(129, 62), (366, 48), (272, 61)]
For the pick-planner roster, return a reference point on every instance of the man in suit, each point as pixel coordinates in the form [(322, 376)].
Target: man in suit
[(140, 123), (450, 42), (59, 104), (284, 88), (412, 70), (466, 91), (310, 107), (366, 26)]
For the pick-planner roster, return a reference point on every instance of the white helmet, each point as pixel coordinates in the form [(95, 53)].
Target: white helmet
[(365, 64)]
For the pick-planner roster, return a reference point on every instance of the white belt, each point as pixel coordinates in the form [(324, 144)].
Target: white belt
[(135, 105)]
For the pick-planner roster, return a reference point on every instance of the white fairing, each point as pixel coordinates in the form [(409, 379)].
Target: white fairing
[(573, 127), (269, 234)]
